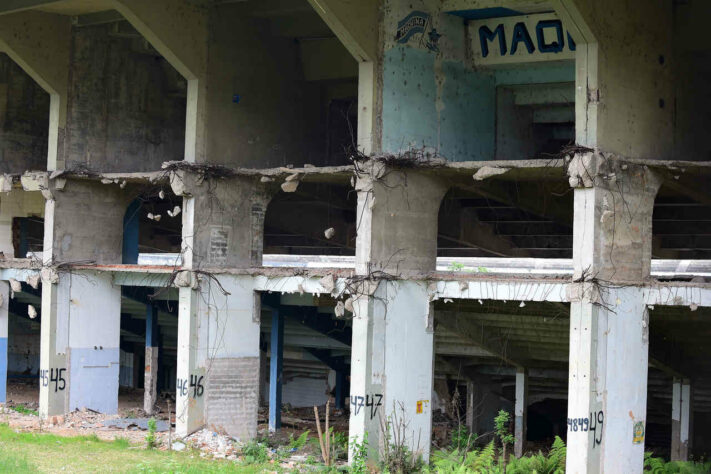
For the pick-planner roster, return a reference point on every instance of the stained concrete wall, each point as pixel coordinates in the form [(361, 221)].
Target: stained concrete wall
[(692, 66), (24, 120), (277, 120), (126, 103)]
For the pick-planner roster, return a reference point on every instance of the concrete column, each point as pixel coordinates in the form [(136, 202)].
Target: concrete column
[(81, 310), (471, 407), (609, 323), (276, 364), (520, 411), (681, 418), (393, 344), (340, 390), (150, 374), (4, 318), (218, 326)]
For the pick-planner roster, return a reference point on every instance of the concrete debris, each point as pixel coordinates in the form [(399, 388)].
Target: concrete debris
[(523, 304), (154, 217), (266, 179), (34, 280), (139, 423), (210, 442), (329, 233), (123, 184), (49, 275), (15, 285), (161, 194), (106, 181), (289, 186), (693, 306), (488, 172), (31, 311), (176, 210), (5, 183), (328, 283), (184, 279), (340, 309), (293, 177), (178, 446), (348, 304)]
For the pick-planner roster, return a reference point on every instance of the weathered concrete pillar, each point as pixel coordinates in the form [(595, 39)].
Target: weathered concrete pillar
[(218, 326), (4, 319), (150, 374), (609, 322), (393, 344), (81, 309), (520, 411), (681, 420)]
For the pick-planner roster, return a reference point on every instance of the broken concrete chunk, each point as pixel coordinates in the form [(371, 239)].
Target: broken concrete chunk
[(31, 311), (327, 283), (184, 279), (5, 183), (49, 275), (34, 280), (176, 210), (154, 217), (293, 177), (161, 194), (106, 181), (340, 309), (15, 285), (329, 233), (348, 304), (289, 186), (123, 184), (266, 179), (488, 172)]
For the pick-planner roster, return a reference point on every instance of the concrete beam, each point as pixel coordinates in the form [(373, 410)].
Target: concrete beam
[(13, 6), (355, 23), (40, 43)]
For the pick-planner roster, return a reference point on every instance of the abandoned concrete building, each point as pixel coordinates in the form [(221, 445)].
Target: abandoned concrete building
[(429, 208)]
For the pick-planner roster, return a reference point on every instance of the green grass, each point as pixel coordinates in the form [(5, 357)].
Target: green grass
[(47, 453), (24, 410)]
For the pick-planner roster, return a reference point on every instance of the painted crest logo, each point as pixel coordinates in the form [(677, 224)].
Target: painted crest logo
[(414, 23), (638, 436)]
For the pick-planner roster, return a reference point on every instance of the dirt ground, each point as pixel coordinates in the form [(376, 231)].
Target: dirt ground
[(85, 422)]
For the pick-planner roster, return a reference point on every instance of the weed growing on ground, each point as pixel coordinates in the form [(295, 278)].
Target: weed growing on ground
[(151, 436), (24, 410)]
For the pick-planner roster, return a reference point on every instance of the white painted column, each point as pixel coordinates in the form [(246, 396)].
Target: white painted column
[(609, 321), (681, 418), (393, 365), (218, 357), (521, 411)]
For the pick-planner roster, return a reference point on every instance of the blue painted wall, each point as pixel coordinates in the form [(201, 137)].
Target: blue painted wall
[(94, 379), (461, 126)]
